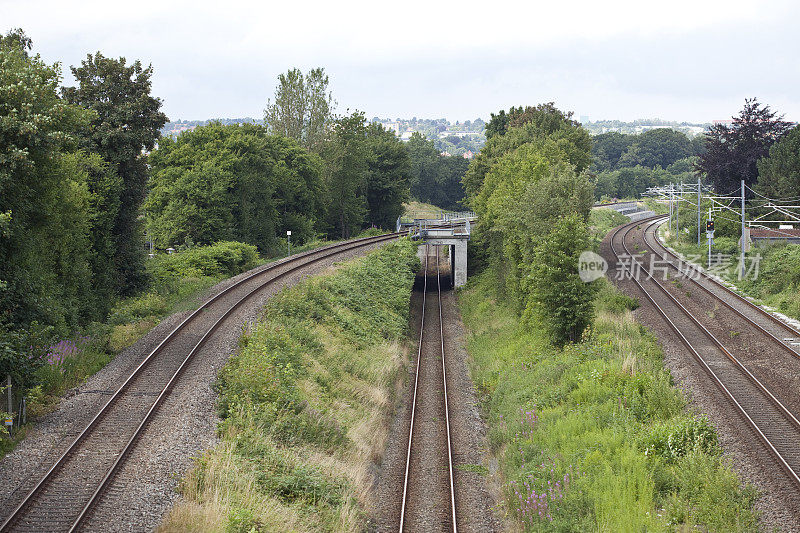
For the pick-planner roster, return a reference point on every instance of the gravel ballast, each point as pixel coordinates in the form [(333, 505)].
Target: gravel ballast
[(144, 488), (779, 501)]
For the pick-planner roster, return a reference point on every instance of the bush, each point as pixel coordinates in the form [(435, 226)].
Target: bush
[(679, 436), (613, 300), (220, 260)]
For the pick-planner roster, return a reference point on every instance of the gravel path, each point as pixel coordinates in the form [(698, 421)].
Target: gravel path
[(144, 488), (779, 502)]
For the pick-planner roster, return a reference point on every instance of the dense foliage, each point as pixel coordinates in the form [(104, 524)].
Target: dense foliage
[(626, 165), (388, 170), (779, 172), (50, 207), (127, 122), (233, 182), (733, 151), (659, 147), (435, 178), (303, 108), (533, 201)]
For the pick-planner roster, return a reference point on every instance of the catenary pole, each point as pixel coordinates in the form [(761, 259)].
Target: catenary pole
[(678, 212), (741, 253), (698, 210)]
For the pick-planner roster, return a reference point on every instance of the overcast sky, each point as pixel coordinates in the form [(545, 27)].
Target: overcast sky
[(691, 60)]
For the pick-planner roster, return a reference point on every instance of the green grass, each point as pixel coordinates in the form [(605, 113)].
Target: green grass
[(306, 404), (596, 430), (603, 219), (415, 209)]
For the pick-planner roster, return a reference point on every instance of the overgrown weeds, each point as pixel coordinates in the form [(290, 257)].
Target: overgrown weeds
[(594, 436), (305, 405)]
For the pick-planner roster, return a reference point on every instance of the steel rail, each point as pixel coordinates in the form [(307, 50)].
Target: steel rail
[(414, 397), (446, 408), (719, 382), (763, 312), (325, 252)]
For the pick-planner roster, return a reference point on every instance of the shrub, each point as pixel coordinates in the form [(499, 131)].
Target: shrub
[(679, 436), (223, 259)]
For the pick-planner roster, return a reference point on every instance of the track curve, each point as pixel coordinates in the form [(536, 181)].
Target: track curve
[(62, 498)]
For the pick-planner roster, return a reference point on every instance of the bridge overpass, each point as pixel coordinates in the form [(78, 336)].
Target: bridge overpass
[(448, 229)]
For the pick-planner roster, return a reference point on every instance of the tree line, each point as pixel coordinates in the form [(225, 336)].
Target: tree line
[(86, 175), (757, 146), (72, 178), (625, 165), (533, 194)]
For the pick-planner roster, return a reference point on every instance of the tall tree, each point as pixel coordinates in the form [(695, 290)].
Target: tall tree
[(562, 301), (44, 202), (303, 108), (388, 172), (531, 123), (128, 122), (233, 182), (779, 172), (607, 148), (424, 166), (732, 152), (346, 155), (657, 147)]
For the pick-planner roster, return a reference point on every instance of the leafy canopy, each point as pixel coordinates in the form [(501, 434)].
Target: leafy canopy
[(234, 182), (303, 108), (733, 151)]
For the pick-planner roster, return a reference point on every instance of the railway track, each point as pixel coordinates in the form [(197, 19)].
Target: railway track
[(770, 419), (428, 500), (64, 497), (779, 331)]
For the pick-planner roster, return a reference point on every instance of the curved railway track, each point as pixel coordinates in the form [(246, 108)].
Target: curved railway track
[(64, 497), (758, 317), (774, 423), (417, 488)]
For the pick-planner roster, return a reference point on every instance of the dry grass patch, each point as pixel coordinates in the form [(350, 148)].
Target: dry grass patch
[(306, 405)]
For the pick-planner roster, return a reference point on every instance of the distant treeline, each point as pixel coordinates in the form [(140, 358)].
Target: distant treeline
[(626, 165), (86, 175)]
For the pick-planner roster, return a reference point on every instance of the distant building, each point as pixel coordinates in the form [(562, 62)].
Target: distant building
[(460, 134), (468, 154), (445, 153), (406, 136), (769, 235), (391, 126)]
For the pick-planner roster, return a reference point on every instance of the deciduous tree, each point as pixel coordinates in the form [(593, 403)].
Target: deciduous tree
[(303, 108), (346, 156), (388, 170), (779, 172), (233, 182), (732, 151), (128, 122)]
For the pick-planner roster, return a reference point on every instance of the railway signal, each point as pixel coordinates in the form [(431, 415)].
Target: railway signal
[(709, 235)]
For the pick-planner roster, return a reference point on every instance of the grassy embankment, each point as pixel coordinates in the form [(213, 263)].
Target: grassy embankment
[(595, 437), (178, 281), (414, 209), (305, 405), (776, 283)]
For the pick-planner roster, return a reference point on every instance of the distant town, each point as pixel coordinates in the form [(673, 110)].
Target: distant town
[(465, 138)]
